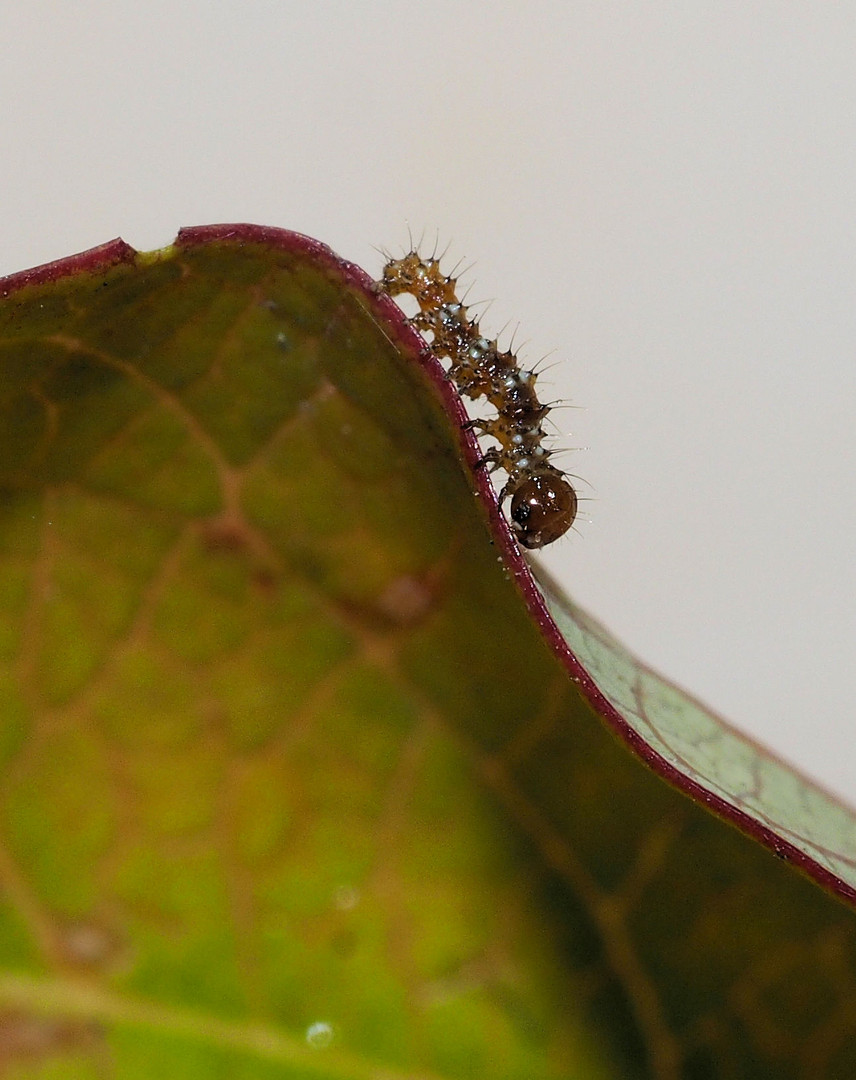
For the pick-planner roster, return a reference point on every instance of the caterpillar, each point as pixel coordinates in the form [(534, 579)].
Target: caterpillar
[(543, 502)]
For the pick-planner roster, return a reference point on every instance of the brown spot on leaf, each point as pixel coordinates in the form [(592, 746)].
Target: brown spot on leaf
[(226, 535), (29, 1039), (230, 535), (88, 945), (405, 600), (265, 580)]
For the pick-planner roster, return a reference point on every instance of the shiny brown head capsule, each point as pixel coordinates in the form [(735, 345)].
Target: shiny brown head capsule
[(543, 508)]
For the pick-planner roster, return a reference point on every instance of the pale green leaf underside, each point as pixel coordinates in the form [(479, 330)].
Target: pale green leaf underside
[(716, 756)]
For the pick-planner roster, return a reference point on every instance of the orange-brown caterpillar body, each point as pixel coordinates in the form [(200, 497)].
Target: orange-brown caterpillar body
[(543, 502)]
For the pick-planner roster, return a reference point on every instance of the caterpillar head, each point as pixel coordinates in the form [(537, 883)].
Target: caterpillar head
[(543, 507)]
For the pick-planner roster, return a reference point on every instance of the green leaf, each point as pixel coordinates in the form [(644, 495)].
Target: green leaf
[(298, 778)]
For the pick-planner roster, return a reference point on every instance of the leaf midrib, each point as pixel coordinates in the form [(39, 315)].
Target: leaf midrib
[(78, 998)]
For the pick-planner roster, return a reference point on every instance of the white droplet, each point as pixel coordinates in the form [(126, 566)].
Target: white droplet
[(319, 1035)]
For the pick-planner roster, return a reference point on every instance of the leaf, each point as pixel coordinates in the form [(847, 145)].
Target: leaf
[(293, 783)]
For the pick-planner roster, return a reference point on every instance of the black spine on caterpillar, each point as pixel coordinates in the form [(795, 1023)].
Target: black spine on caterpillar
[(543, 503)]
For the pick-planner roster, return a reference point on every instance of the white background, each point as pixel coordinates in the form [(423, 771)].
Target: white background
[(662, 193)]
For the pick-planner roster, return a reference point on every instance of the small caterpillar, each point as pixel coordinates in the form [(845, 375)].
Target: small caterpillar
[(543, 502)]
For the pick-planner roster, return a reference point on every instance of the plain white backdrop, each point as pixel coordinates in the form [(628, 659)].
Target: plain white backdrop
[(662, 193)]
